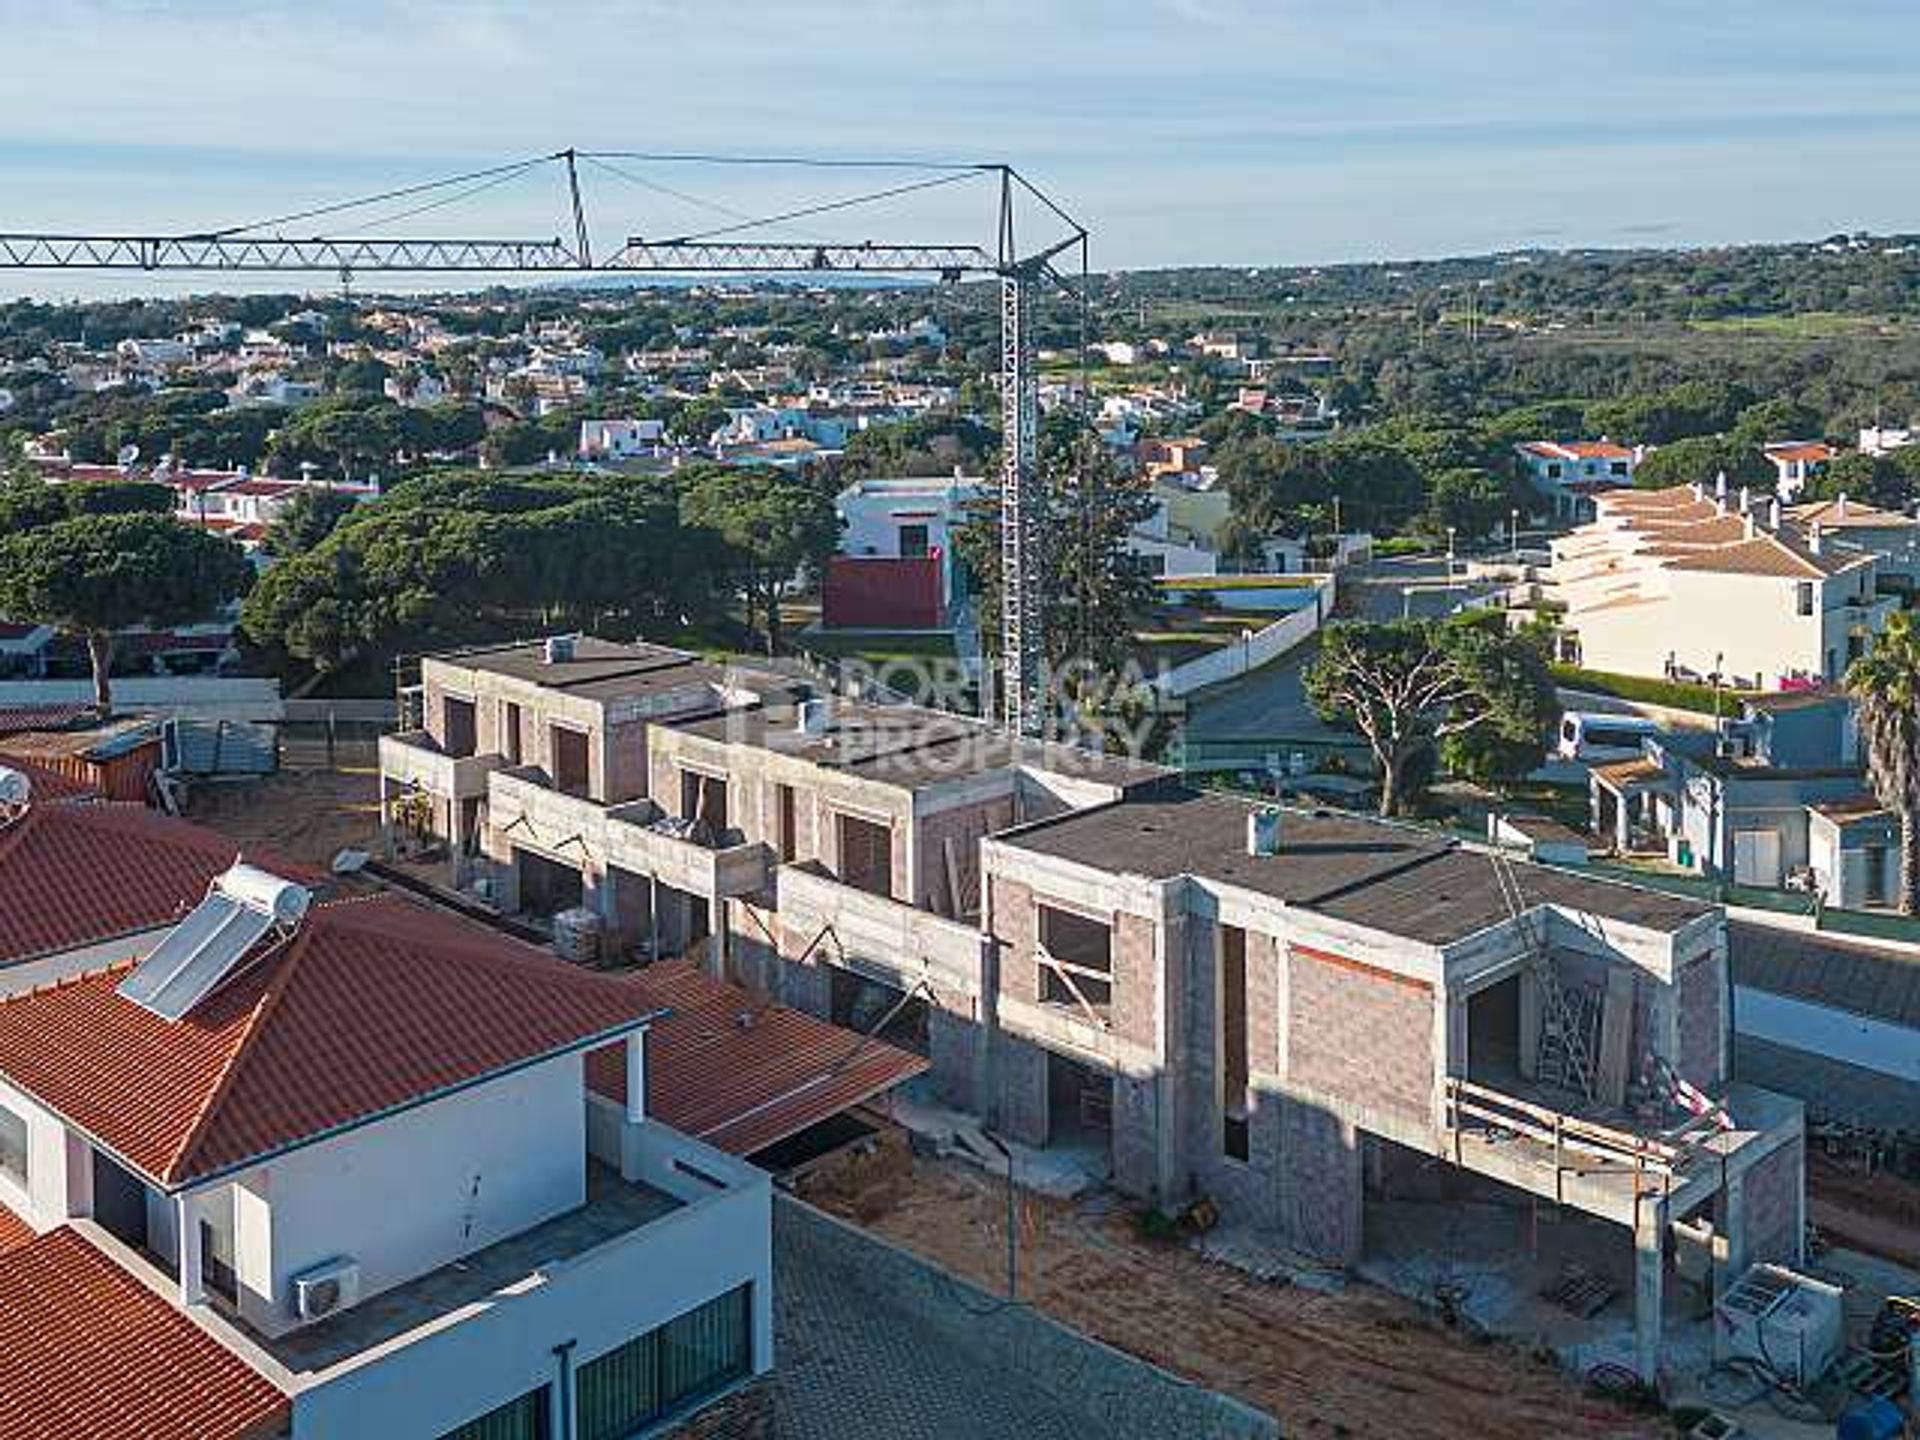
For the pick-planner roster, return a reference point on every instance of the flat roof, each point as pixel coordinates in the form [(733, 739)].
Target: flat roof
[(910, 745), (614, 1207), (599, 670), (1372, 873)]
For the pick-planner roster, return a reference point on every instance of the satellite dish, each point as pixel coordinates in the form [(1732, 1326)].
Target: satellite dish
[(128, 454)]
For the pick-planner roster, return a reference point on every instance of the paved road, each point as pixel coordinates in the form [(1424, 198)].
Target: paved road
[(851, 1368)]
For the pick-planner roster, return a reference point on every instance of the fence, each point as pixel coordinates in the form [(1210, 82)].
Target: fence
[(1122, 1398), (1265, 645)]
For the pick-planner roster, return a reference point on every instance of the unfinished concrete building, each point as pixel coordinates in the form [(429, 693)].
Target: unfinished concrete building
[(1310, 1019)]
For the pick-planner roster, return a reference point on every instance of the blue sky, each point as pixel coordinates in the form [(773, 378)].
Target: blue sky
[(1182, 131)]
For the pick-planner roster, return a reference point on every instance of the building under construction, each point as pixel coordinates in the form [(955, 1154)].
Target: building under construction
[(1303, 1019)]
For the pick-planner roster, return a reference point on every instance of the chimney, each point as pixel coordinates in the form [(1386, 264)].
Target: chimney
[(1263, 831), (1813, 537), (1720, 491), (1747, 515), (1840, 505), (812, 717), (1746, 499), (1773, 513), (1699, 491)]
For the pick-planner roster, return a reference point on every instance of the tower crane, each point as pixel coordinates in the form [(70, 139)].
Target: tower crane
[(264, 247)]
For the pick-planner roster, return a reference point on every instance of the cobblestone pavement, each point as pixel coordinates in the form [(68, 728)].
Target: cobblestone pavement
[(847, 1367)]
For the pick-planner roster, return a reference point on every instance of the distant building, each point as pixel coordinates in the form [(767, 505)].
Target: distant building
[(1795, 462), (1879, 440), (620, 439), (1670, 582), (897, 565), (1567, 474)]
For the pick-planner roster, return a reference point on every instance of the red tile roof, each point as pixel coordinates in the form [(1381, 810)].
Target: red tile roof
[(49, 785), (14, 1232), (373, 1005), (87, 1352), (77, 875), (742, 1087), (1813, 452)]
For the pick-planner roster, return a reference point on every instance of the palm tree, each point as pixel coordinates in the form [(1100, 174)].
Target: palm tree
[(1885, 685)]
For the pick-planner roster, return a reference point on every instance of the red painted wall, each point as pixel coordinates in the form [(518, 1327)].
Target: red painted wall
[(884, 594)]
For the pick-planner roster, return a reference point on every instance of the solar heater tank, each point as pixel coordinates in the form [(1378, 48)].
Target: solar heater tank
[(266, 892)]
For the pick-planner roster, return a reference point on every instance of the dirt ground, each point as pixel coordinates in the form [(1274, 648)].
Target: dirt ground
[(1354, 1363), (305, 814), (1875, 1212)]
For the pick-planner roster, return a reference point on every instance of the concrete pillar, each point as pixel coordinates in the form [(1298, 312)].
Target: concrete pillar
[(636, 1057), (186, 1223), (1174, 982), (1623, 824), (1649, 1286), (1531, 1005)]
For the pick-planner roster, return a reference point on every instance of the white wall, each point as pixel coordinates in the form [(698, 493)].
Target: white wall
[(1833, 1034), (412, 1192), (598, 1301), (49, 1196)]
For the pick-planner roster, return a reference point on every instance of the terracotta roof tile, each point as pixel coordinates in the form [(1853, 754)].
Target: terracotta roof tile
[(1772, 555), (14, 1232), (372, 1005), (743, 1087), (1841, 515), (17, 718), (77, 875), (87, 1352), (49, 785)]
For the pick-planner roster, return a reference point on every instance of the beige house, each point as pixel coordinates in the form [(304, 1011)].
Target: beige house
[(1679, 583)]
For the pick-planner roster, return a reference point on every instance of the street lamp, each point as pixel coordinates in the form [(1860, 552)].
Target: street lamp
[(1513, 531), (1450, 552)]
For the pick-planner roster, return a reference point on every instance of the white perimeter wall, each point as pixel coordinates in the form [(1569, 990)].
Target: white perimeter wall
[(1833, 1034)]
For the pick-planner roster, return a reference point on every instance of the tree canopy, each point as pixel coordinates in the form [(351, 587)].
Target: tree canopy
[(1465, 687), (772, 526), (94, 574), (460, 556), (1885, 685)]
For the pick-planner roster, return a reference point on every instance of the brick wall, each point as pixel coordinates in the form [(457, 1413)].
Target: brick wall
[(964, 825), (1263, 1003), (1245, 1190), (1136, 1135), (1136, 981), (1360, 1035), (626, 761), (1013, 927), (1700, 998), (1772, 1189), (1320, 1183)]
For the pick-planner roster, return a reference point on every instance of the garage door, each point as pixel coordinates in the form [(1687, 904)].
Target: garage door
[(1756, 857)]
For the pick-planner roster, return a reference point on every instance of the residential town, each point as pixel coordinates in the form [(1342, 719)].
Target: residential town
[(834, 793)]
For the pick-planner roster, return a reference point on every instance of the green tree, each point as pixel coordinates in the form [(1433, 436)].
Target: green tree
[(772, 524), (307, 520), (1870, 479), (1473, 502), (1885, 686), (1464, 686), (1092, 590), (95, 575), (1702, 460)]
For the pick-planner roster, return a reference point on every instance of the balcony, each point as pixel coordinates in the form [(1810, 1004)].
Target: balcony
[(1599, 1159), (637, 837), (880, 938), (413, 759)]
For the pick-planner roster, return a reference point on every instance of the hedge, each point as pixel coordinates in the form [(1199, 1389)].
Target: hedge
[(1677, 694)]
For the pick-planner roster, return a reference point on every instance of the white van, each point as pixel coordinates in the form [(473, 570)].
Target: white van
[(1592, 735)]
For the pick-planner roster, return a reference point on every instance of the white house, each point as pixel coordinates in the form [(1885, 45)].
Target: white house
[(341, 1169), (1569, 473), (1670, 582), (1884, 440), (1795, 462), (620, 439)]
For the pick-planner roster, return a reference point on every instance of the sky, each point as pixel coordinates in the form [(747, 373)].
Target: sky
[(1238, 132)]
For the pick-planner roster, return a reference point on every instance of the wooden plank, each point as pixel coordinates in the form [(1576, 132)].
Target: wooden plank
[(1616, 1036)]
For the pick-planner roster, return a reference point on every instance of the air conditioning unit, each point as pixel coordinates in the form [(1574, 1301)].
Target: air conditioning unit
[(325, 1289), (1790, 1324)]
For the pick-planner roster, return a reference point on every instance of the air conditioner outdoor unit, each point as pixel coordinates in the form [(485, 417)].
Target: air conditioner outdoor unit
[(319, 1292)]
